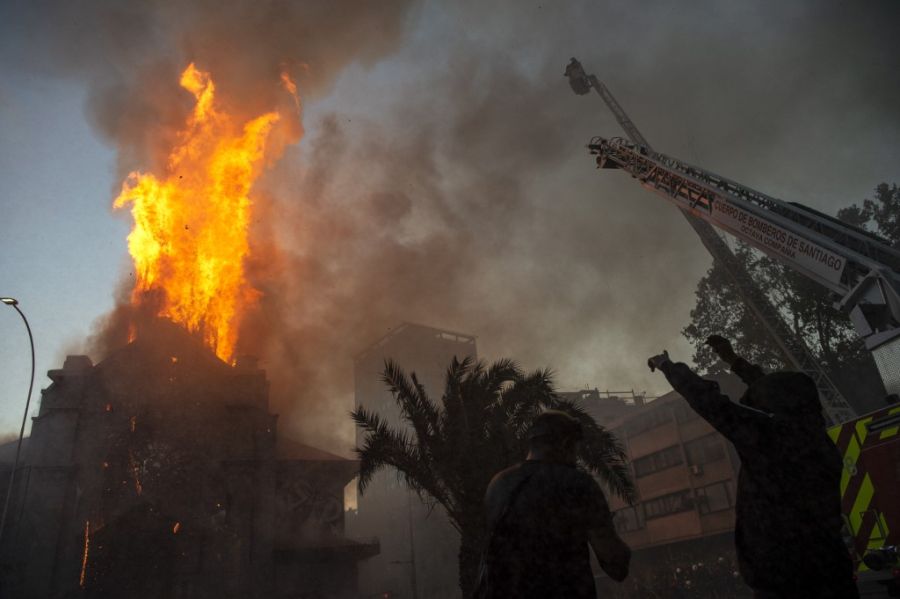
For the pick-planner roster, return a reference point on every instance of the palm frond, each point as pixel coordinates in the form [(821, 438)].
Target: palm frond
[(384, 446), (601, 452), (413, 401), (478, 428)]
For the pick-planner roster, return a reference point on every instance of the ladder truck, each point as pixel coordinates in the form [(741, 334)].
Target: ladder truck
[(860, 270)]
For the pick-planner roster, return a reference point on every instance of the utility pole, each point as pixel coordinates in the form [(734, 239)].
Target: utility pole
[(412, 547)]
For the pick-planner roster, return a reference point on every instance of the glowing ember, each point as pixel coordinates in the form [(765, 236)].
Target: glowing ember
[(190, 235), (176, 528), (84, 555), (135, 468)]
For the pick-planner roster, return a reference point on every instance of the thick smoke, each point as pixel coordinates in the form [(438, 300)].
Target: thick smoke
[(464, 197), (131, 54), (443, 178)]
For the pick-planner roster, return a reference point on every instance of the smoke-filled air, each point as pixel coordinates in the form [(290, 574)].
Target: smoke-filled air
[(326, 197), (442, 178)]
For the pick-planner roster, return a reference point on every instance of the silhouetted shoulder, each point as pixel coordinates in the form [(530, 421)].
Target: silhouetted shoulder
[(561, 487)]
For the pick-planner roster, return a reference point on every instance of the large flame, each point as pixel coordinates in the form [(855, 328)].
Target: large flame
[(190, 235)]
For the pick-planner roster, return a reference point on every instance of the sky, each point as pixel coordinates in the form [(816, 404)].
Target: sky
[(442, 177)]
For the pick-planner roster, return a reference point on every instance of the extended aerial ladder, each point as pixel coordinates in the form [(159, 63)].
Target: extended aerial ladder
[(859, 267)]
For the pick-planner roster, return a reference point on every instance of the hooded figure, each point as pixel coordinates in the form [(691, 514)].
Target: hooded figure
[(788, 510)]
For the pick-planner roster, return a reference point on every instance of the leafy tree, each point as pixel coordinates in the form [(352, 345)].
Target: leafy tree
[(881, 215), (452, 449), (806, 307), (720, 310)]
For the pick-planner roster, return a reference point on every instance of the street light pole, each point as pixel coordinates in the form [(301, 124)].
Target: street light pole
[(412, 547), (9, 301)]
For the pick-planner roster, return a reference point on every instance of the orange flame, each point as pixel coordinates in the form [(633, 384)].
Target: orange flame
[(290, 87), (190, 234)]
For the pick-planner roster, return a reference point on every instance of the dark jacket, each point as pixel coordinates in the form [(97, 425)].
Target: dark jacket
[(788, 509), (539, 546)]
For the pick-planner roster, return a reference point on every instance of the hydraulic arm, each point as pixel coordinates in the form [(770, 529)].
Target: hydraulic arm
[(857, 266)]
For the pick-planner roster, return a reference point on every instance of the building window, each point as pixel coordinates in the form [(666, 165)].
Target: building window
[(629, 519), (672, 503), (704, 450), (645, 422), (715, 497), (660, 460)]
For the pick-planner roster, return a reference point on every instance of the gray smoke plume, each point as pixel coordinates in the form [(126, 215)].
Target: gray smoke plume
[(443, 178), (132, 54)]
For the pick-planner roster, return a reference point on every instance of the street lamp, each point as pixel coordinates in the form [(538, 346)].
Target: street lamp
[(9, 301)]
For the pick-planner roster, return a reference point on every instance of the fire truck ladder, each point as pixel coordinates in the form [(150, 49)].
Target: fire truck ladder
[(866, 278)]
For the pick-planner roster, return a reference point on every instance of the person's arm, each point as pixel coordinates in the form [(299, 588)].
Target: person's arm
[(745, 370), (738, 423), (611, 551)]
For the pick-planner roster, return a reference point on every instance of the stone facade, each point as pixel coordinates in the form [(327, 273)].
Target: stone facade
[(160, 472)]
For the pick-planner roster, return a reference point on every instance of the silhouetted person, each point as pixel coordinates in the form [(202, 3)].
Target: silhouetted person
[(788, 526), (542, 515)]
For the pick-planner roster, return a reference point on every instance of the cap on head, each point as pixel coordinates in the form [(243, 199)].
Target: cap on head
[(555, 425)]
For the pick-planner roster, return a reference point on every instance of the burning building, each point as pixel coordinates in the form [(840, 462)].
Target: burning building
[(160, 472)]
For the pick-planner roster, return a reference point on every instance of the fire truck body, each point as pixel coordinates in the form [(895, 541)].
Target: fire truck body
[(870, 496)]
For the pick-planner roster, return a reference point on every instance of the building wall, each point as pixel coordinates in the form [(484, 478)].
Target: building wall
[(156, 473), (387, 510), (685, 473)]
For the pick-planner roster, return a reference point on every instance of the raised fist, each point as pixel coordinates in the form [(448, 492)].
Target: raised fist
[(658, 360)]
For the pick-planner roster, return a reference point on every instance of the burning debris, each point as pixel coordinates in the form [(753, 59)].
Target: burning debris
[(84, 556)]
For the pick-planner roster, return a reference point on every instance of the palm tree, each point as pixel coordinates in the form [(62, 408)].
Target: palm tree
[(451, 450)]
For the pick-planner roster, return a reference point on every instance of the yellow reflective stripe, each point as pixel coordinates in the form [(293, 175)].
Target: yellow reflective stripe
[(885, 529), (880, 532), (890, 432), (850, 457), (835, 432), (861, 431), (861, 504), (877, 539)]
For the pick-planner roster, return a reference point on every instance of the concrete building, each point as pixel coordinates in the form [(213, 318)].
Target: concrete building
[(160, 472), (419, 546)]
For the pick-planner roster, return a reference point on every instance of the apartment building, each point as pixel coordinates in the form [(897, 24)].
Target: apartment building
[(685, 474)]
